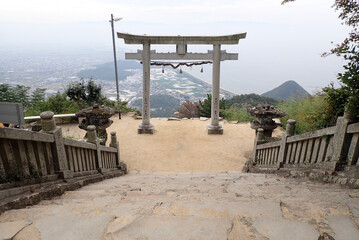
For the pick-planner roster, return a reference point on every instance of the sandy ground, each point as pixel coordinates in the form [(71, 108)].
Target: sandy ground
[(179, 146)]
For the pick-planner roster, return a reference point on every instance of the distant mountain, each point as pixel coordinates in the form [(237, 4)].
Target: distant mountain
[(251, 100), (286, 90), (106, 71)]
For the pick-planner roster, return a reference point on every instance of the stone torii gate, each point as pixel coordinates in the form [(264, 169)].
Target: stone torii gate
[(181, 42)]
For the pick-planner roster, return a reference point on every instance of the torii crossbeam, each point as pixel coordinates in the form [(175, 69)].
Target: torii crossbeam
[(181, 42)]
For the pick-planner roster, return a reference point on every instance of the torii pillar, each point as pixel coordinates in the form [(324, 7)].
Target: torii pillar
[(146, 126), (215, 127), (181, 53)]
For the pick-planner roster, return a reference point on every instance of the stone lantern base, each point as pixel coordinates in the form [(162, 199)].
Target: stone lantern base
[(267, 128)]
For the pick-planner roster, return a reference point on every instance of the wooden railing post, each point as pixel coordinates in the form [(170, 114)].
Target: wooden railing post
[(60, 161), (115, 144), (92, 138), (259, 139), (340, 144), (290, 129)]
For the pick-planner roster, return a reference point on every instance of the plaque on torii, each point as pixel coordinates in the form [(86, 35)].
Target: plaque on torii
[(181, 42)]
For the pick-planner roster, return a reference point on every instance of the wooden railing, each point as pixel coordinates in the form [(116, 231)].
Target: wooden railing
[(24, 153), (329, 148), (267, 154), (81, 156), (353, 151), (109, 156), (47, 155), (310, 148)]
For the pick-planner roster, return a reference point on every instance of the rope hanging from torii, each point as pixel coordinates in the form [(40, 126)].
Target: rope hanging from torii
[(175, 65)]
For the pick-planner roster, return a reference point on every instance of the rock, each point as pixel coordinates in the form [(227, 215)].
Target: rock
[(173, 119), (9, 229), (248, 166), (325, 179), (342, 181), (203, 119), (131, 114), (233, 122), (36, 127), (325, 236), (28, 233)]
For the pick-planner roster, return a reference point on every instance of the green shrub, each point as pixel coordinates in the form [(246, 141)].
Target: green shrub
[(205, 106), (310, 113), (237, 113)]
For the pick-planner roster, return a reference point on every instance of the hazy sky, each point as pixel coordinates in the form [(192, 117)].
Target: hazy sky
[(283, 42)]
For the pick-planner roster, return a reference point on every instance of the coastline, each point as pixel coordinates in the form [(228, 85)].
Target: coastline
[(201, 80)]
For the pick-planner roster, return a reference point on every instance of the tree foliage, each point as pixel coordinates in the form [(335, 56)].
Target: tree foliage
[(15, 94), (94, 93), (205, 106), (251, 99), (36, 102), (237, 112), (189, 109), (58, 103), (76, 92), (85, 92), (310, 112), (38, 96)]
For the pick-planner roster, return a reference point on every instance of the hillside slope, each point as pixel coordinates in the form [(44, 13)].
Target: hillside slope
[(286, 90), (251, 100)]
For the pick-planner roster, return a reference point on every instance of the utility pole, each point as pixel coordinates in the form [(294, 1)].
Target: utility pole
[(115, 60)]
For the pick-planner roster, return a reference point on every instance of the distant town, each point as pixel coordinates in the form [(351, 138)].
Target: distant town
[(55, 71)]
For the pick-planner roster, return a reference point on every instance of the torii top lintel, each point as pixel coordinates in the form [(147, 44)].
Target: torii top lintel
[(208, 40)]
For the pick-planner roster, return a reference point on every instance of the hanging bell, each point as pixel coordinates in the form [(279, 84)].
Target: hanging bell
[(180, 70), (163, 69), (202, 70)]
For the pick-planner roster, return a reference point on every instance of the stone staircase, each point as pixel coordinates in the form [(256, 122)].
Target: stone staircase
[(227, 205)]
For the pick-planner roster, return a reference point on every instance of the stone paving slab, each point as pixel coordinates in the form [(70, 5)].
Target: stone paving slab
[(343, 227), (284, 229), (223, 205), (9, 229), (175, 228), (73, 227)]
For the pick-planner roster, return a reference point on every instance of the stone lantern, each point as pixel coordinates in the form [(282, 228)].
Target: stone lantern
[(265, 114), (97, 116)]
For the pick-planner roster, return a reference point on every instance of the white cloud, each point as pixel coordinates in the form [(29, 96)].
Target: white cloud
[(174, 12)]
